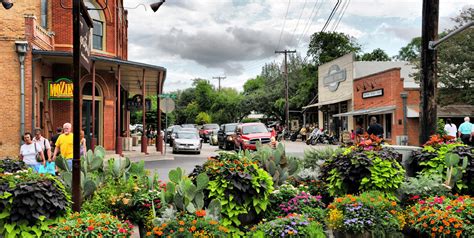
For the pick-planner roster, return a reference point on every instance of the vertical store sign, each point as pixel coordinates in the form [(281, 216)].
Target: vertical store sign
[(85, 38)]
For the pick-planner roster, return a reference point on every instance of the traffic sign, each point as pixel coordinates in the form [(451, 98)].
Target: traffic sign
[(167, 95), (167, 105)]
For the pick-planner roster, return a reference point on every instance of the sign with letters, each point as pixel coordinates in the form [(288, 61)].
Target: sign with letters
[(374, 93), (334, 77), (85, 38), (61, 89)]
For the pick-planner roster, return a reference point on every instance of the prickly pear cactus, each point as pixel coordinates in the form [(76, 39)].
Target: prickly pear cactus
[(276, 163)]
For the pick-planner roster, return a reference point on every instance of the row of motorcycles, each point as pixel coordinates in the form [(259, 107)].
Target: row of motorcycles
[(317, 136)]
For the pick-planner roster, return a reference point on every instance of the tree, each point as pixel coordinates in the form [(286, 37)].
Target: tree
[(327, 46), (203, 118), (410, 52), (204, 94), (376, 55)]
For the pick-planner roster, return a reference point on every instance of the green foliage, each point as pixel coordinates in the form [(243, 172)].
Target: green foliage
[(313, 158), (410, 52), (242, 188), (290, 226), (440, 128), (356, 170), (432, 160), (423, 186), (376, 55), (91, 225), (188, 226), (203, 118), (11, 166), (327, 46), (29, 202), (283, 194), (371, 211), (183, 194), (247, 120), (276, 163)]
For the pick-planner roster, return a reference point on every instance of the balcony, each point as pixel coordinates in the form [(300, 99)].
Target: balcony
[(37, 35)]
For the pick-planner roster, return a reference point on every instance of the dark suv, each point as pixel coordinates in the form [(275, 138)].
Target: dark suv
[(225, 136), (248, 134)]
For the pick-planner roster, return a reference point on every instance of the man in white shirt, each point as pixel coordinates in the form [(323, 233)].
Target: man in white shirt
[(43, 143)]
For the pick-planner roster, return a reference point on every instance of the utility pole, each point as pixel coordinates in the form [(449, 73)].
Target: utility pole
[(76, 161), (219, 78), (428, 81), (287, 112)]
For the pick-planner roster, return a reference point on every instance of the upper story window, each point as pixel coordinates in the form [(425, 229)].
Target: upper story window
[(44, 14), (98, 21)]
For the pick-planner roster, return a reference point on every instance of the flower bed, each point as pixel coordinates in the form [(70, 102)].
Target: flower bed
[(292, 225)]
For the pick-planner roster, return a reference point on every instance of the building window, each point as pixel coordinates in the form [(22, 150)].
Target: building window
[(97, 35), (44, 14), (388, 126), (98, 20)]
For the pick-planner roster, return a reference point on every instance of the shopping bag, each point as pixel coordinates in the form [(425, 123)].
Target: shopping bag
[(41, 169), (51, 168)]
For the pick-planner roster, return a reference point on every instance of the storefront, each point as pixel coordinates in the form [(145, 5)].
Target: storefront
[(386, 96)]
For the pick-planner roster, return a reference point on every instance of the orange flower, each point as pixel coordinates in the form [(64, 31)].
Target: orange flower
[(425, 225), (432, 222), (192, 229), (181, 229), (181, 223), (394, 204), (394, 212), (201, 213), (194, 222), (159, 233), (440, 229)]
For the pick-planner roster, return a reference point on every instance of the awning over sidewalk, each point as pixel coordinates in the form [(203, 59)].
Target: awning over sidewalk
[(370, 111), (459, 111), (131, 73), (328, 102)]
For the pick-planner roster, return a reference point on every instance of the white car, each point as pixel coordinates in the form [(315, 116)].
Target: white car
[(187, 141)]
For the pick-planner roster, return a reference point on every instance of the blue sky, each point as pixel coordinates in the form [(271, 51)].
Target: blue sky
[(235, 38)]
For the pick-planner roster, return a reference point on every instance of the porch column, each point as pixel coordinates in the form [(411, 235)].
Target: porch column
[(159, 142), (118, 141), (93, 138), (144, 136)]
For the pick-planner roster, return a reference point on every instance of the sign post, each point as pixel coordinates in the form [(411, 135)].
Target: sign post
[(167, 105)]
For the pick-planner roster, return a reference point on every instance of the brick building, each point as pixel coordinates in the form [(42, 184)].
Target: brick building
[(46, 27)]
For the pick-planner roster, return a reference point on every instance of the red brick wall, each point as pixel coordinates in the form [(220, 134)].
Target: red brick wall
[(62, 26), (390, 81)]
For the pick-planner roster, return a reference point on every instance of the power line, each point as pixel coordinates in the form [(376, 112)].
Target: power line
[(298, 22), (331, 15), (344, 8), (284, 22), (307, 22)]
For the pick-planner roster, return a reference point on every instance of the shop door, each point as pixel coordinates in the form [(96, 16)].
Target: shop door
[(87, 121)]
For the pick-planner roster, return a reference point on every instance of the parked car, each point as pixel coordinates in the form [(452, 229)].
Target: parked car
[(225, 136), (206, 129), (213, 137), (173, 134), (168, 132), (187, 141), (187, 126), (248, 134), (194, 130)]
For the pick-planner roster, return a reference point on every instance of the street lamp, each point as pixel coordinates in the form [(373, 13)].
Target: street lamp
[(7, 4), (156, 5), (21, 49)]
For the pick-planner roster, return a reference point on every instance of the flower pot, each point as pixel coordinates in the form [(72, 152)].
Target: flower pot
[(344, 234)]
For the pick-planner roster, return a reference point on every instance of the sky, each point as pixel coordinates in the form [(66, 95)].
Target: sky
[(235, 38)]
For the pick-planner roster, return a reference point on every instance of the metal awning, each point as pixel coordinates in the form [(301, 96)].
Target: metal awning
[(370, 111), (458, 111), (131, 72), (342, 99)]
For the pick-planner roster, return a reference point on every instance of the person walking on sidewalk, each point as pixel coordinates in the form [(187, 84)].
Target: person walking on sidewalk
[(43, 143), (64, 144), (29, 152), (465, 131)]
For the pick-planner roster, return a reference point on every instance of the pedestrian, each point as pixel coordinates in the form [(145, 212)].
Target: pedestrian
[(375, 128), (465, 131), (303, 133), (359, 132), (450, 128), (64, 145), (29, 151), (43, 143), (83, 146), (54, 138)]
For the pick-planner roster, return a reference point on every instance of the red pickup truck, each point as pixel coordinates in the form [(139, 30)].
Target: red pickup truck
[(248, 134), (206, 129)]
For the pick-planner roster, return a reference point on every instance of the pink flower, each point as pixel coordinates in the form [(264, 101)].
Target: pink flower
[(438, 200), (458, 210), (421, 202), (448, 207)]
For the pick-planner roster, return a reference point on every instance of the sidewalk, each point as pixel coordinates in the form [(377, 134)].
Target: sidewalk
[(136, 155)]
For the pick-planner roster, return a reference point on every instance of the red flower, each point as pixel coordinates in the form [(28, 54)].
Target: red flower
[(121, 230), (421, 202), (415, 197), (90, 228)]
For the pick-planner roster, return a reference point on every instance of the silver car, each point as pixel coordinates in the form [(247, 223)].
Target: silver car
[(187, 141)]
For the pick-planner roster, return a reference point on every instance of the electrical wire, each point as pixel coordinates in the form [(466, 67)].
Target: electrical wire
[(331, 15), (307, 23), (344, 8), (298, 22), (283, 27)]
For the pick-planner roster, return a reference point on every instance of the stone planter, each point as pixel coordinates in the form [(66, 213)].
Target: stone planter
[(343, 234), (405, 151)]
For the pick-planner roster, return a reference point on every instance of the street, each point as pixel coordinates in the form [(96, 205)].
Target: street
[(188, 161)]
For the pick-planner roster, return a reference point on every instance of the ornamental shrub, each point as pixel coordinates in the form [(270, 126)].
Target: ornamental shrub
[(431, 160), (359, 169), (293, 225), (369, 212), (188, 225), (91, 225), (440, 216), (29, 202), (11, 166), (241, 186)]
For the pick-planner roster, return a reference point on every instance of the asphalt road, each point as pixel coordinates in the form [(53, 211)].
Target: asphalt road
[(189, 161)]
